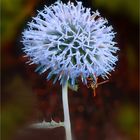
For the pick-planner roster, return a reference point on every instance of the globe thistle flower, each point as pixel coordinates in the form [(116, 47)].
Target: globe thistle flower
[(70, 41)]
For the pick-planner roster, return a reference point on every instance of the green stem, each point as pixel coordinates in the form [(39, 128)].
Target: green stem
[(67, 124)]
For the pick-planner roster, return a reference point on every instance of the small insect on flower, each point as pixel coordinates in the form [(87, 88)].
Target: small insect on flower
[(94, 84)]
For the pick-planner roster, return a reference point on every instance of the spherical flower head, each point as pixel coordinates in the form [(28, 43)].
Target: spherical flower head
[(70, 41)]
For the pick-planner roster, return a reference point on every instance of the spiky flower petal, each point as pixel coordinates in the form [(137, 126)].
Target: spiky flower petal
[(70, 41)]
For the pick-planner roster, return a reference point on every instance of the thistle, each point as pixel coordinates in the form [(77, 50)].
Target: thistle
[(70, 41)]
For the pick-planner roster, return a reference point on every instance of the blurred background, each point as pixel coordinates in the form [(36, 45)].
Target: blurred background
[(27, 97)]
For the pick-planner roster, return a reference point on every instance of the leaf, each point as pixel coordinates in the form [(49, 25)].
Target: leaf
[(74, 88), (46, 125)]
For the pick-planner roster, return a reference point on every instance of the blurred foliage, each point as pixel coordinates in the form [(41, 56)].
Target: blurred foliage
[(12, 7), (130, 8), (13, 13), (127, 118), (20, 102), (10, 11)]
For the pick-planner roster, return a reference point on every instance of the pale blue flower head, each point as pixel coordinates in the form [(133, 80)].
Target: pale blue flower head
[(70, 41)]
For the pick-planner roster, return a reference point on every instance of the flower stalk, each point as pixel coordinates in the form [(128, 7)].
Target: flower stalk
[(67, 124)]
